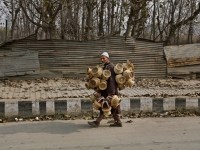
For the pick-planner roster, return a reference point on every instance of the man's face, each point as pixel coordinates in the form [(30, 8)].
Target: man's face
[(104, 59)]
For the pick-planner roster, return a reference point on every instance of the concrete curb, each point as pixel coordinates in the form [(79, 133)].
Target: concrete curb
[(28, 108)]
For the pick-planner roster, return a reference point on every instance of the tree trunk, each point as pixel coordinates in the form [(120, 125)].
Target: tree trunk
[(88, 27), (191, 26), (14, 14), (101, 31), (112, 16), (154, 20), (108, 20), (190, 33), (130, 23)]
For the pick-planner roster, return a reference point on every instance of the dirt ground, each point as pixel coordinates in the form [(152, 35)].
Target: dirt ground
[(79, 83), (63, 87), (169, 83)]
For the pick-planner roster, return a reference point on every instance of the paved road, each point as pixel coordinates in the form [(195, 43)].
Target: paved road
[(141, 134)]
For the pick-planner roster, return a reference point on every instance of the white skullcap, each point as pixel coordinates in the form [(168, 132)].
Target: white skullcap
[(105, 54)]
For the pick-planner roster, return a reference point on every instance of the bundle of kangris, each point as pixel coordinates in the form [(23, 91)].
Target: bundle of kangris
[(97, 77), (124, 75), (97, 80)]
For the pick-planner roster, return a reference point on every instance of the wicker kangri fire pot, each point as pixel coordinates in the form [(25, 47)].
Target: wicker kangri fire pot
[(97, 71), (94, 82), (130, 82), (115, 101), (120, 79), (103, 85), (89, 71), (121, 86), (96, 105), (106, 74), (106, 108), (128, 73), (128, 65), (118, 68)]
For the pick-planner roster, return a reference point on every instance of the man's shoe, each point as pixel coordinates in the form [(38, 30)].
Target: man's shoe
[(116, 124), (93, 124)]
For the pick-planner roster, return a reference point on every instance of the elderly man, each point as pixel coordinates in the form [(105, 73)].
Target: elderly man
[(108, 93)]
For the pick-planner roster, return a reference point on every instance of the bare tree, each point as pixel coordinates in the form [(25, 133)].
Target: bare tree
[(88, 28), (137, 16), (69, 20), (158, 20), (174, 26), (47, 11)]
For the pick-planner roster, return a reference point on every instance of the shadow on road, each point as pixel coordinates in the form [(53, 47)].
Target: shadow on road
[(53, 127)]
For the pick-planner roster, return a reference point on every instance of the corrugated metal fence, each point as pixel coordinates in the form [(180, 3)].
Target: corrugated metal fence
[(18, 62), (73, 57)]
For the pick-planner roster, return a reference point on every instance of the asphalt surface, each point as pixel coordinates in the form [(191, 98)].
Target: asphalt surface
[(180, 133)]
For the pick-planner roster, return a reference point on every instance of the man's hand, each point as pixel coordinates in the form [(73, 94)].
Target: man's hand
[(100, 99), (96, 94), (109, 97)]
